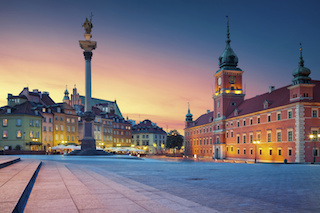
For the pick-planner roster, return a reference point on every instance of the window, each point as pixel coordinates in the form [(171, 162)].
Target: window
[(270, 151), (279, 152), (68, 129), (244, 122), (279, 116), (289, 151), (250, 138), (31, 122), (238, 123), (289, 114), (290, 135), (44, 128), (269, 118), (73, 129), (31, 134), (232, 149), (44, 119), (56, 118), (50, 120), (72, 138), (57, 127), (18, 122), (315, 152), (251, 121), (4, 133), (260, 151), (218, 139), (61, 127), (73, 120), (259, 136), (251, 151), (269, 136), (227, 149), (210, 140), (244, 138), (50, 129), (238, 139), (18, 133), (314, 113), (37, 134), (4, 122), (279, 136), (231, 134), (244, 151), (61, 137), (56, 137), (238, 151), (68, 120), (37, 123), (227, 134), (61, 118), (258, 120)]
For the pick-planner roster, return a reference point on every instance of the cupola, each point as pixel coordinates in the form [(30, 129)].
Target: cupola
[(228, 60), (301, 74)]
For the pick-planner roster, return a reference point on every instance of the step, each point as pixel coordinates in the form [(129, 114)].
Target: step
[(16, 183), (6, 161), (72, 188)]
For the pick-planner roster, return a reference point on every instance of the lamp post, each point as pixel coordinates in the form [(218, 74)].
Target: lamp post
[(314, 138), (255, 142)]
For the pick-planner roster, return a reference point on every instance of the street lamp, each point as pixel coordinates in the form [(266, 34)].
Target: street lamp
[(314, 138), (255, 142)]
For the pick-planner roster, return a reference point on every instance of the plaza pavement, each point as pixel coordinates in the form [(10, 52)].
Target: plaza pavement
[(102, 184)]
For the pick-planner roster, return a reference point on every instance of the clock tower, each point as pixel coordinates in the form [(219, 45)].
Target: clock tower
[(228, 80)]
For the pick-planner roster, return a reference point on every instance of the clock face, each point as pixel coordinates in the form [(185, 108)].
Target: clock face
[(219, 81), (232, 79)]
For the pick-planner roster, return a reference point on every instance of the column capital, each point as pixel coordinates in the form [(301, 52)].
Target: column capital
[(87, 55)]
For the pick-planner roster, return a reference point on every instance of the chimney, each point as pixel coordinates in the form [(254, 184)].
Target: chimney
[(271, 88)]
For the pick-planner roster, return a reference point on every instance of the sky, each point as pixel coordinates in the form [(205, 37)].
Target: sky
[(154, 56)]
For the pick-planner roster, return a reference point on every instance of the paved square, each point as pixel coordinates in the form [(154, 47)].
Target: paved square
[(186, 185)]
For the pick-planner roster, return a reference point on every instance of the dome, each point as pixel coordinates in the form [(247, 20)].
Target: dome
[(228, 59), (301, 74)]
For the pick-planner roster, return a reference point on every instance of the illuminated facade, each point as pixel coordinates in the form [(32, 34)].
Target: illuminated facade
[(149, 137), (271, 127)]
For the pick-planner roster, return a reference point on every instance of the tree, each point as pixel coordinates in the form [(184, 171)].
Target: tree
[(174, 139)]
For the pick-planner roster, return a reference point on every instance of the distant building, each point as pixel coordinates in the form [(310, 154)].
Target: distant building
[(21, 127), (65, 124), (78, 100), (271, 127), (148, 136)]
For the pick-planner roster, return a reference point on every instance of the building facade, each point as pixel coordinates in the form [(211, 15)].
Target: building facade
[(271, 127), (149, 137)]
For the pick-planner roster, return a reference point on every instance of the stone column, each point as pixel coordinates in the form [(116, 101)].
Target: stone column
[(88, 56)]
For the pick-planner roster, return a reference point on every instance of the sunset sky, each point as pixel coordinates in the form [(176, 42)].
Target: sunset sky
[(154, 56)]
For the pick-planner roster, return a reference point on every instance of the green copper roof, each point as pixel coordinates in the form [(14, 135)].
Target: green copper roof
[(301, 74)]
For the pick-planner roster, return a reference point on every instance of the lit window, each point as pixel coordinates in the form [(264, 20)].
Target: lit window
[(4, 122), (18, 133), (4, 133), (31, 134), (68, 120)]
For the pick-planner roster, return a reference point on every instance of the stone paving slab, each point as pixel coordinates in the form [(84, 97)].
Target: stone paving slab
[(7, 160), (13, 182), (73, 188)]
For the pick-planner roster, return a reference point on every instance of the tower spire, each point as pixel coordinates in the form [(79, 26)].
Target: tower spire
[(228, 32), (301, 62), (188, 107)]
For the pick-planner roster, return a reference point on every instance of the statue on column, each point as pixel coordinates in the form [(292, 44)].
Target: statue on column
[(88, 25)]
